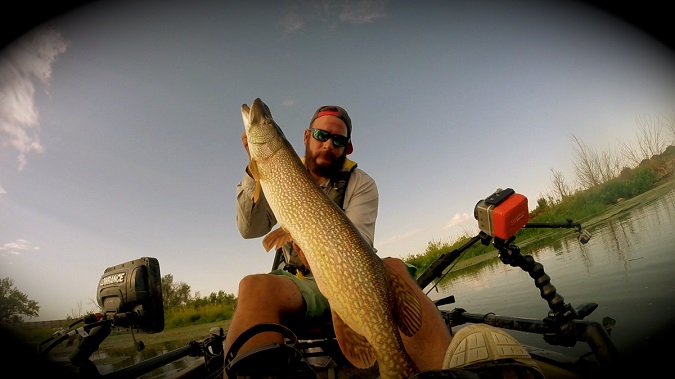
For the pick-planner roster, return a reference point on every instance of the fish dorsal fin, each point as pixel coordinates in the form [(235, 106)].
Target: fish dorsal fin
[(354, 346), (407, 307), (276, 238)]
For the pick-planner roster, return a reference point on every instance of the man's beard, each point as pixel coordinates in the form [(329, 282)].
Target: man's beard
[(326, 171)]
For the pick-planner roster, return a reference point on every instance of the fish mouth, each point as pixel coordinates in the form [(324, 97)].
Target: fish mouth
[(246, 116), (254, 114)]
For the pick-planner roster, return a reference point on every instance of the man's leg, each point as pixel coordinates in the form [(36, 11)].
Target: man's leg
[(428, 346), (263, 298)]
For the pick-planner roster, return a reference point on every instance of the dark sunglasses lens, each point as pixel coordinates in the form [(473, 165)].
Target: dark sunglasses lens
[(323, 136), (339, 141), (320, 135)]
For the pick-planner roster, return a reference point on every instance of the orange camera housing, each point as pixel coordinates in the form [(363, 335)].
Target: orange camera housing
[(502, 214)]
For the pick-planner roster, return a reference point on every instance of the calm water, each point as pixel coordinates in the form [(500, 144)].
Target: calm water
[(626, 268), (110, 360)]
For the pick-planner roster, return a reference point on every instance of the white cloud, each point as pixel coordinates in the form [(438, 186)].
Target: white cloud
[(292, 22), (458, 219), (17, 247), (399, 237), (363, 11), (28, 59), (328, 11)]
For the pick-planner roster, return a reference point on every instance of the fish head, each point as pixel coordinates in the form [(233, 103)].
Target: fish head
[(261, 129), (263, 138)]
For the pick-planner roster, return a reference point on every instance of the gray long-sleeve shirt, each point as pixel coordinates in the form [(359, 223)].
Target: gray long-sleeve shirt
[(360, 205)]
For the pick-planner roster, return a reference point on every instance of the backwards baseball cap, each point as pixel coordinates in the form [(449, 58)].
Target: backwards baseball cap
[(334, 110)]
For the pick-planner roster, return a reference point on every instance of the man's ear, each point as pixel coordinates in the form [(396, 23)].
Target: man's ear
[(305, 137), (349, 148)]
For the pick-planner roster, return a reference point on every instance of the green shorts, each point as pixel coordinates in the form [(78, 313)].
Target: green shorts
[(318, 308)]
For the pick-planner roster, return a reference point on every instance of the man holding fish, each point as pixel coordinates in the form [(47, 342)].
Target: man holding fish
[(316, 281)]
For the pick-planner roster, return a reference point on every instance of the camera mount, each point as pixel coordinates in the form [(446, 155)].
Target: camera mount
[(500, 216)]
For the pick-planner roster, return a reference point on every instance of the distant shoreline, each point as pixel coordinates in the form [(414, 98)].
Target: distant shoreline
[(666, 186)]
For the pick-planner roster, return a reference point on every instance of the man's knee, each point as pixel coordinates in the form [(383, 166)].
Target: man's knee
[(254, 282), (400, 266), (257, 287), (395, 263), (271, 290)]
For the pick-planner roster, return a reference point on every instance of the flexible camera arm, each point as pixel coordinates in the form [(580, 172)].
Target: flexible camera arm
[(499, 216), (506, 250), (560, 312), (584, 235), (563, 325), (435, 270)]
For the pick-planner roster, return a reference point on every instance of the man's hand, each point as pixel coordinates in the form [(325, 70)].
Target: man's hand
[(244, 141), (301, 255)]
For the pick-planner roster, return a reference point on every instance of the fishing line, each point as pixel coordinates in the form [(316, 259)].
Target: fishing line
[(445, 273)]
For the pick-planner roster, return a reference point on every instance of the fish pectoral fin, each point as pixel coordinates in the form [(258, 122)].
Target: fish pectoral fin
[(276, 239), (355, 347), (407, 307), (252, 168)]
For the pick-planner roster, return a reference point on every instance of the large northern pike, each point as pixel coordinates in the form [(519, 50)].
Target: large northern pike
[(369, 302)]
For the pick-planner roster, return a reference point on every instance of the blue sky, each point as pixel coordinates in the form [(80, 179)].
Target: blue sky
[(120, 124)]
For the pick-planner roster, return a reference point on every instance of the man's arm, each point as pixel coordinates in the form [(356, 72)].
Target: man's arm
[(253, 220), (361, 203)]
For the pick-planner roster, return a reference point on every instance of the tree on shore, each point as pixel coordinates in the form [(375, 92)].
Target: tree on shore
[(669, 125), (559, 187), (174, 294), (587, 164), (592, 168), (651, 139), (14, 303), (81, 310), (177, 294)]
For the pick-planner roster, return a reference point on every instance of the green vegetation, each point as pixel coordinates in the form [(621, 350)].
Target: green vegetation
[(187, 314), (579, 206), (197, 315), (181, 309), (14, 304)]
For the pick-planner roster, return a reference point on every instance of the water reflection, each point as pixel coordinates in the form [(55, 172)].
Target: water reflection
[(626, 268), (110, 360)]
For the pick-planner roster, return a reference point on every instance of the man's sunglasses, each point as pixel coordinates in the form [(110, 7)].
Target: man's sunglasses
[(323, 136)]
